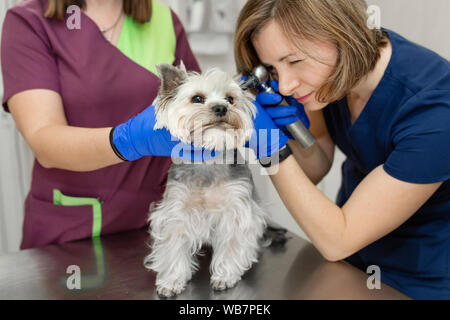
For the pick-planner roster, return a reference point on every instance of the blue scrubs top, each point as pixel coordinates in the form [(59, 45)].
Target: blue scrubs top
[(405, 127)]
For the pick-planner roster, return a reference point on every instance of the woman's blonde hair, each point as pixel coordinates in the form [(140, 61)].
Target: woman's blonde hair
[(342, 23), (139, 10)]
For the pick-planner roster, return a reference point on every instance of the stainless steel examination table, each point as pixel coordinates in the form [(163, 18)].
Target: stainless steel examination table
[(111, 267)]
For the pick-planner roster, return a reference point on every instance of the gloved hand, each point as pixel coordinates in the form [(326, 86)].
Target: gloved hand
[(267, 138), (136, 138), (282, 115)]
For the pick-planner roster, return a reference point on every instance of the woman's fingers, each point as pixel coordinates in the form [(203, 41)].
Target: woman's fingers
[(274, 85), (285, 121), (266, 99), (281, 111)]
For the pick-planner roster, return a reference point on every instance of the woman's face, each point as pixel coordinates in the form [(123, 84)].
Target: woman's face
[(299, 75)]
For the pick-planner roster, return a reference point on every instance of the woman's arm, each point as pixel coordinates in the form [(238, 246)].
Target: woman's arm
[(378, 206), (315, 161), (39, 116)]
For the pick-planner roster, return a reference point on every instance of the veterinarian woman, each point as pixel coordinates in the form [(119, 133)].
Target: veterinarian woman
[(385, 102), (66, 88)]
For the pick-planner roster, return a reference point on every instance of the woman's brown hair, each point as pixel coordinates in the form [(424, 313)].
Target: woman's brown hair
[(139, 10), (340, 22)]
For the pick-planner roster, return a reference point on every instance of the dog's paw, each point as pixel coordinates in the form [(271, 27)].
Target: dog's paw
[(171, 289), (223, 284)]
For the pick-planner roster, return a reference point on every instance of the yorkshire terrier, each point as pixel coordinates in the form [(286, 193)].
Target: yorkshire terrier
[(210, 203)]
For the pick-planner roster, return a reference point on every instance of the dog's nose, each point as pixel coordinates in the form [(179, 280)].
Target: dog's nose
[(220, 110)]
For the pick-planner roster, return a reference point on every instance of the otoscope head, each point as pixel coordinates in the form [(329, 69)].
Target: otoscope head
[(261, 73), (257, 77)]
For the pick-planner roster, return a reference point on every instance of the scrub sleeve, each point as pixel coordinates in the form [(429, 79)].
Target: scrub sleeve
[(100, 86)]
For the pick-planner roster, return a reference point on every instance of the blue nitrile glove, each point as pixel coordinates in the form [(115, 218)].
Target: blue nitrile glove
[(283, 115), (136, 138), (267, 138)]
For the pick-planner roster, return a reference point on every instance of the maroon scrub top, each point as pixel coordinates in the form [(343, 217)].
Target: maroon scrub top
[(100, 87)]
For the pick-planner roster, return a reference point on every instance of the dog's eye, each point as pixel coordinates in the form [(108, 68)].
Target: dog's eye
[(230, 100), (198, 99)]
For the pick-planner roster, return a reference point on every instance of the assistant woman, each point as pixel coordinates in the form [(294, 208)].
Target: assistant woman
[(81, 98)]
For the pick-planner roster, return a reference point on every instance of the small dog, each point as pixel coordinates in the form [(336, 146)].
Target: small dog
[(205, 203)]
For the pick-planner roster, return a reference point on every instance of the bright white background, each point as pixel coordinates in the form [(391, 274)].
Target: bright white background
[(422, 21)]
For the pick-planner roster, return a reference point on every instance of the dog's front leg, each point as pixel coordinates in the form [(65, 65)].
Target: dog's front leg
[(235, 249), (171, 258)]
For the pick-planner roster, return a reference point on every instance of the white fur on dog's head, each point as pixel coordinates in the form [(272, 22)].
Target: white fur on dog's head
[(186, 102)]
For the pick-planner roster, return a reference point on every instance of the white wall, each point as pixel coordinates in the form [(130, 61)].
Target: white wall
[(15, 173), (425, 22)]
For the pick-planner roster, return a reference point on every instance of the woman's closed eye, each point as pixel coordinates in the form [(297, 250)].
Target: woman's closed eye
[(295, 62)]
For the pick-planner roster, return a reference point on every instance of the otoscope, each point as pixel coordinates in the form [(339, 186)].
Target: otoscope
[(258, 78)]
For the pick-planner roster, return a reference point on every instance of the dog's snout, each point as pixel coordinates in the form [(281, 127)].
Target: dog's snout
[(220, 110)]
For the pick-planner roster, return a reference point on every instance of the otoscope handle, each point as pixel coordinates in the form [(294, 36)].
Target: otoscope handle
[(296, 129), (301, 134)]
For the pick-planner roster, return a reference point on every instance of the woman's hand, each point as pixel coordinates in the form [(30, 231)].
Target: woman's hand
[(136, 138), (267, 138), (282, 115)]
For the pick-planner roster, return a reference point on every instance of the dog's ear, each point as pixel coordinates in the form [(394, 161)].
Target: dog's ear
[(171, 77), (181, 66)]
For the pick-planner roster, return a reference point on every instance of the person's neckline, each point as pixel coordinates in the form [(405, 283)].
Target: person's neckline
[(122, 24), (99, 33)]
